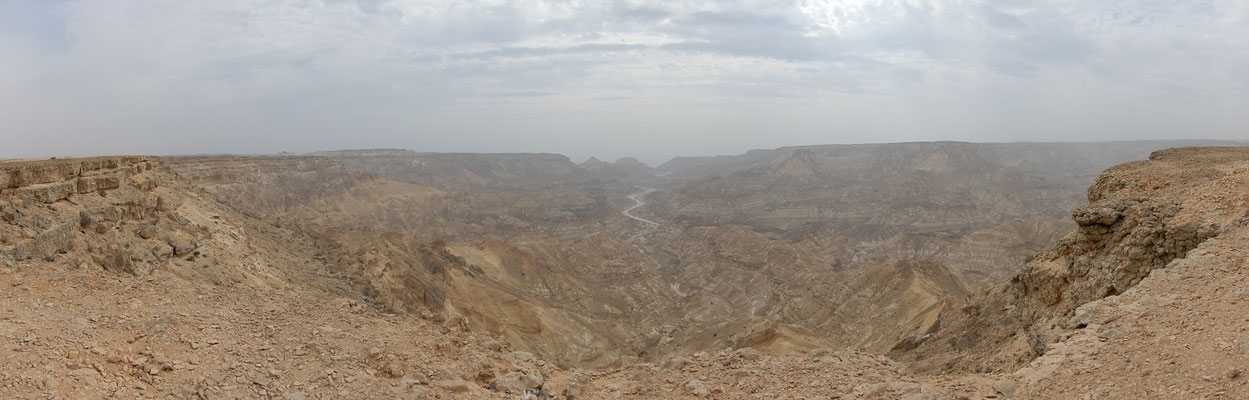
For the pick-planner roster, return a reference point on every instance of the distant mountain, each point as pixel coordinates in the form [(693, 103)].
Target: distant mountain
[(1099, 154), (465, 171)]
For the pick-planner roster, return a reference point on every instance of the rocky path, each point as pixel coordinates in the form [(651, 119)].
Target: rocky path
[(638, 202)]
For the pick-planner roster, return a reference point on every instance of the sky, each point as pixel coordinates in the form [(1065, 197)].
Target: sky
[(645, 78)]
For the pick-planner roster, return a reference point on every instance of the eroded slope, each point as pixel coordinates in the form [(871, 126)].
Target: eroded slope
[(1143, 218)]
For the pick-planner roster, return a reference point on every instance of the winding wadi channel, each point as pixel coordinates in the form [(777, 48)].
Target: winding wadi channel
[(638, 202)]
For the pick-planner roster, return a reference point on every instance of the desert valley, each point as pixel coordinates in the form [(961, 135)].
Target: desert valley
[(925, 270)]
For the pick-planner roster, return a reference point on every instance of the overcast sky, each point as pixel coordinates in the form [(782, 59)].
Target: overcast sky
[(647, 78)]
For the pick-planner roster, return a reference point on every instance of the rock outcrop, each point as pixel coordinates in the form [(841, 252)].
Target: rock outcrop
[(102, 205), (267, 185), (1141, 217)]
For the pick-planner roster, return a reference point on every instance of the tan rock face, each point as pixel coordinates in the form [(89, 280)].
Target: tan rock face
[(74, 213), (1143, 217)]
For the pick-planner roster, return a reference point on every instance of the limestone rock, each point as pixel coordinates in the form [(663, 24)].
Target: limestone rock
[(147, 231), (455, 385), (697, 388), (1005, 387)]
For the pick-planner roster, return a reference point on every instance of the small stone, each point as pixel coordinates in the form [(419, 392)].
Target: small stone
[(84, 374), (454, 385), (675, 363), (697, 388), (749, 354), (520, 356), (183, 247), (295, 396), (572, 391), (1005, 387)]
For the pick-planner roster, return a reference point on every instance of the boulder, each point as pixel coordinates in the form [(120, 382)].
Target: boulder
[(749, 354), (182, 246), (1103, 216), (147, 231), (54, 192), (85, 185), (697, 388), (107, 183)]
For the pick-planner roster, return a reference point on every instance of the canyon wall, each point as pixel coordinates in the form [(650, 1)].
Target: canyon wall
[(1141, 217)]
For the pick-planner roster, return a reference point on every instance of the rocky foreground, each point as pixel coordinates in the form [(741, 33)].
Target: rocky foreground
[(121, 279)]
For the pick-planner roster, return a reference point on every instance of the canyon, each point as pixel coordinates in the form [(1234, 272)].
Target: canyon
[(906, 270)]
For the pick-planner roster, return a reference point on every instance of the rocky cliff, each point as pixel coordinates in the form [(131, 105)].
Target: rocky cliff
[(102, 205), (1142, 217), (266, 185), (133, 215)]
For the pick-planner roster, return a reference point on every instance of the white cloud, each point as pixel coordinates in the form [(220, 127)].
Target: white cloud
[(451, 75)]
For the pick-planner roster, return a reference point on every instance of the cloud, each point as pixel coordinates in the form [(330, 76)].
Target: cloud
[(613, 78)]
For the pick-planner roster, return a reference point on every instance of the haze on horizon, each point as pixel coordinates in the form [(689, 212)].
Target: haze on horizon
[(642, 78)]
